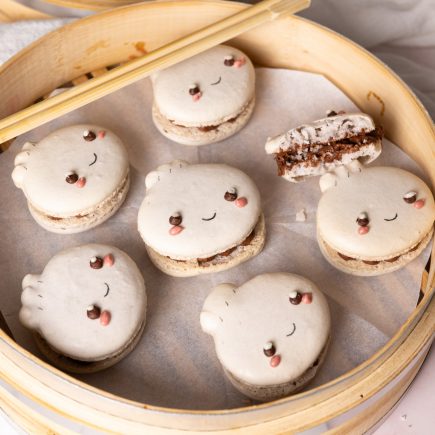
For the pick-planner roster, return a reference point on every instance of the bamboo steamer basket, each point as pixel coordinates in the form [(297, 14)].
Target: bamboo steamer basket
[(352, 403)]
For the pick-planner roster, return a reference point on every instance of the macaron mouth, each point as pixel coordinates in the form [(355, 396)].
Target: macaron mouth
[(217, 82), (94, 161), (107, 289), (392, 219), (293, 330), (209, 219)]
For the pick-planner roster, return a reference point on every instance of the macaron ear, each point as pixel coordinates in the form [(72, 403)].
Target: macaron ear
[(331, 179), (327, 181), (162, 171), (18, 175), (213, 311), (20, 162)]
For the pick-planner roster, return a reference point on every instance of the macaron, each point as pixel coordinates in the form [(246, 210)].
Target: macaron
[(87, 308), (206, 98), (323, 145), (200, 218), (73, 179), (271, 333), (372, 221)]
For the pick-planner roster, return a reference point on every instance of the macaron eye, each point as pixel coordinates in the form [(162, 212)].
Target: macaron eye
[(176, 219), (410, 197), (231, 194), (229, 61), (93, 312), (89, 135), (194, 89), (363, 219), (295, 297), (269, 349), (71, 178), (96, 262)]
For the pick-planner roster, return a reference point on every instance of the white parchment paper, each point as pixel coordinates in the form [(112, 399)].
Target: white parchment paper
[(175, 365)]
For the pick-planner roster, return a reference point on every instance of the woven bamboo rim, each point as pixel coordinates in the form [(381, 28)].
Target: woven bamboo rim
[(288, 43)]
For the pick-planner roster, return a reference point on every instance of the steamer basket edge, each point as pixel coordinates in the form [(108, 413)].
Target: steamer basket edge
[(290, 34)]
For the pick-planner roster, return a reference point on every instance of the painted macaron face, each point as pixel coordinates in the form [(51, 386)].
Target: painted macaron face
[(196, 211), (87, 303), (71, 170), (206, 89), (375, 213), (270, 330)]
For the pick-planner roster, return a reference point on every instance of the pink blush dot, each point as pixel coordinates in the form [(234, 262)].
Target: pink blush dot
[(241, 202), (275, 361), (105, 318), (363, 230), (101, 134), (307, 298), (419, 204), (239, 62), (81, 182), (197, 96), (108, 260), (176, 229)]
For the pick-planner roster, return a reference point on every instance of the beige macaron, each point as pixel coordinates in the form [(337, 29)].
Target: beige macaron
[(206, 98)]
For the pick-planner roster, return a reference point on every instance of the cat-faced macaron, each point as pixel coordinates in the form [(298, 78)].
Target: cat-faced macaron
[(270, 333), (73, 179), (200, 218), (206, 98)]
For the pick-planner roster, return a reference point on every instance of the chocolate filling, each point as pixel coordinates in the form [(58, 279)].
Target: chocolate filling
[(314, 153), (375, 262), (207, 128), (204, 261)]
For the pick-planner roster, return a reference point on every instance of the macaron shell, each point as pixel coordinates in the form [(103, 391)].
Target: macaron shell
[(101, 164), (210, 223), (258, 312), (394, 225), (56, 303), (225, 90)]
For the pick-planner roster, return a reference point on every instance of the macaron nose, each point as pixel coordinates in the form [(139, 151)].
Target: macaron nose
[(275, 361)]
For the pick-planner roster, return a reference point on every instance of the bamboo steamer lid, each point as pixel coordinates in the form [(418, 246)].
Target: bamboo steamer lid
[(295, 43)]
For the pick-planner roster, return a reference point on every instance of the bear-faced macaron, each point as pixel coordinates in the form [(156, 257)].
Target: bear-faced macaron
[(200, 218), (271, 333), (206, 98), (73, 179), (373, 220), (87, 308)]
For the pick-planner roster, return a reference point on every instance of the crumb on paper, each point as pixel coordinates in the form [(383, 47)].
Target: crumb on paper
[(301, 215), (403, 417)]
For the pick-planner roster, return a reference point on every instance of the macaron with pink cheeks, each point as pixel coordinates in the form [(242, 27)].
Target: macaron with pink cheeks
[(87, 308), (373, 220), (271, 333), (206, 98), (200, 218), (74, 179)]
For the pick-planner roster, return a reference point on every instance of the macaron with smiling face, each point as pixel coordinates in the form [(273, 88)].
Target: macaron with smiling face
[(271, 334), (87, 308), (73, 179), (206, 98), (200, 218), (372, 221)]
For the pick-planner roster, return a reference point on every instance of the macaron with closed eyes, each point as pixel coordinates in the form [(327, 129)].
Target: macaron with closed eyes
[(206, 98), (373, 220), (271, 333), (74, 179), (200, 218), (87, 308)]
